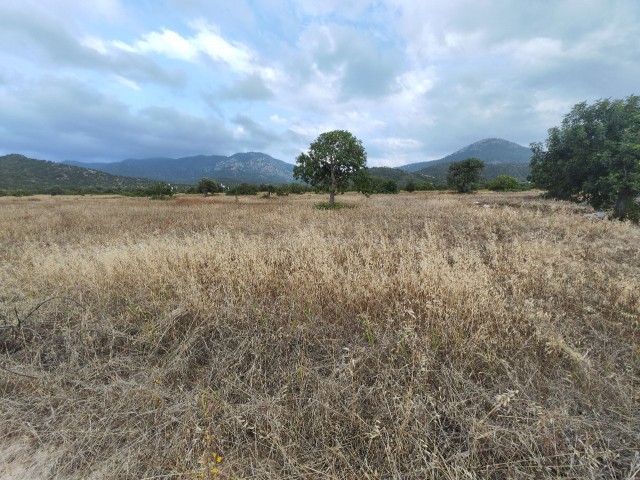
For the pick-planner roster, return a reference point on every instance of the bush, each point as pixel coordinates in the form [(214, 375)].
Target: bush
[(379, 185), (207, 186), (504, 183), (159, 190), (425, 186), (244, 189), (633, 210), (298, 188)]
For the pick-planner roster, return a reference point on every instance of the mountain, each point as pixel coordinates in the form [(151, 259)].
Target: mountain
[(489, 150), (399, 176), (501, 157), (520, 171), (251, 167), (18, 172)]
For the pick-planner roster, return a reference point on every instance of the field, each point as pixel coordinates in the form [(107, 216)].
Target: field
[(413, 336)]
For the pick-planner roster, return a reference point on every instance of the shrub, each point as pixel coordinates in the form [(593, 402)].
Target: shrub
[(504, 183), (244, 189), (207, 186), (159, 190)]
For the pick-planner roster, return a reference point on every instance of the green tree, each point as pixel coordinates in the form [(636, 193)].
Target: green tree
[(594, 155), (207, 186), (504, 183), (160, 190), (410, 186), (332, 160), (464, 174)]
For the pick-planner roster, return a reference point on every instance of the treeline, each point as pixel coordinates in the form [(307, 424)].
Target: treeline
[(369, 185)]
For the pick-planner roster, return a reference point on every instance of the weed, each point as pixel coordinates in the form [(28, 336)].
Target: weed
[(416, 336)]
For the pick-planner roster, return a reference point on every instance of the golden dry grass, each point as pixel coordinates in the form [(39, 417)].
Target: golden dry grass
[(415, 336)]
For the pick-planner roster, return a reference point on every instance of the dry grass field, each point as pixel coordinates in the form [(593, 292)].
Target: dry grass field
[(414, 336)]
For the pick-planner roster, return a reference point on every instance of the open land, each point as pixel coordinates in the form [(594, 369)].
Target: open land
[(412, 336)]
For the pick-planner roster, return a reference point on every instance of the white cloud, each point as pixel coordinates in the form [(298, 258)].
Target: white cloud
[(278, 120), (398, 143), (206, 42), (168, 43), (235, 54), (127, 83), (415, 83), (96, 44)]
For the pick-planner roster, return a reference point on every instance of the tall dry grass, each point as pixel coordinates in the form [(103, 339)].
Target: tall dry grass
[(414, 336)]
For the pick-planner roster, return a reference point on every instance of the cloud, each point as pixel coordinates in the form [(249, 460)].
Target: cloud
[(165, 42), (351, 61), (61, 118), (236, 55), (413, 80), (251, 88), (51, 43), (257, 135), (206, 43)]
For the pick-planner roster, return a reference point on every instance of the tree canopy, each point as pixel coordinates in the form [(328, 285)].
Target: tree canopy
[(593, 156), (332, 160), (207, 186), (463, 174)]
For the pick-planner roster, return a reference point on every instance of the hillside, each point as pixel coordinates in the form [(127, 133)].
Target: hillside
[(399, 176), (489, 150), (18, 172), (520, 171), (251, 167)]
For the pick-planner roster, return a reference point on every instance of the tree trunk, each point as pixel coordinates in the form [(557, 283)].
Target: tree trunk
[(620, 207), (332, 192)]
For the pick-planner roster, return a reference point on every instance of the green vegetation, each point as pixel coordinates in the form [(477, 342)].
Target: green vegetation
[(20, 175), (496, 151), (332, 161), (464, 175), (243, 189), (593, 156), (438, 172), (249, 167), (206, 186), (368, 184), (401, 177), (334, 206), (505, 183)]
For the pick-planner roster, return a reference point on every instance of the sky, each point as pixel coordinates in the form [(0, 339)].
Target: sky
[(105, 80)]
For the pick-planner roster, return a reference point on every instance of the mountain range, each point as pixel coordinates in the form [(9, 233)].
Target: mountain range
[(251, 167), (501, 157)]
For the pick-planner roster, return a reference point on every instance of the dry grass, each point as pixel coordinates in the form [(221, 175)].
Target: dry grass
[(415, 336)]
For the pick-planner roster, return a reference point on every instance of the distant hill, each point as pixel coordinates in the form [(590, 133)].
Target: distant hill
[(520, 171), (399, 176), (18, 172), (501, 157), (251, 167)]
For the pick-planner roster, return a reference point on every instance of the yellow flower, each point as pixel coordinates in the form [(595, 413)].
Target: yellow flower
[(219, 459), (214, 470)]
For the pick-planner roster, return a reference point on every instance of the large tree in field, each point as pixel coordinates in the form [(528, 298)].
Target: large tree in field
[(332, 160), (462, 175), (594, 155)]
